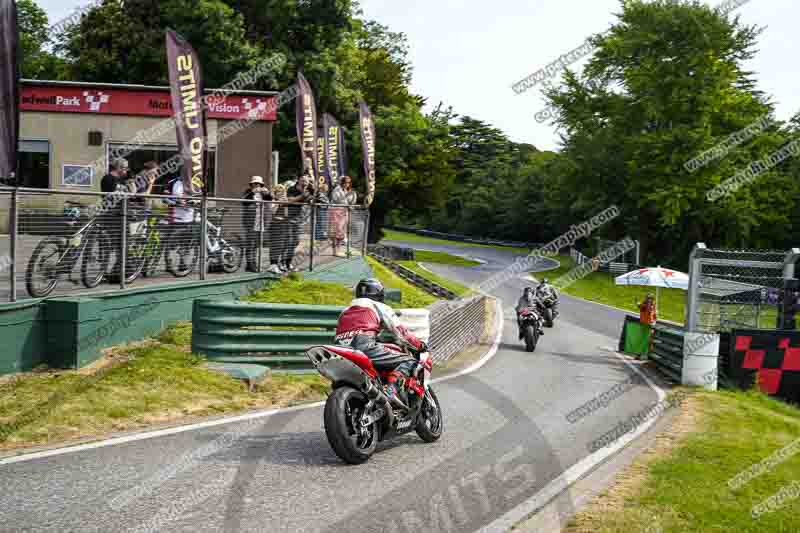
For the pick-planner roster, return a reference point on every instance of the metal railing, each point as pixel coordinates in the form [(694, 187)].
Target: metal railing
[(66, 242)]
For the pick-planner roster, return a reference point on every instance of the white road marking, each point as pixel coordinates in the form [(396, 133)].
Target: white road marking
[(576, 471)]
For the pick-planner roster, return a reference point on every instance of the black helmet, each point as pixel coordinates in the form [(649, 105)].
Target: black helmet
[(527, 291), (370, 288)]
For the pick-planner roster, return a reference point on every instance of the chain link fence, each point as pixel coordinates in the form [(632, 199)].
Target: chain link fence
[(68, 242), (736, 288)]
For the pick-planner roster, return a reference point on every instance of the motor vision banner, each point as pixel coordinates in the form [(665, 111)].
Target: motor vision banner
[(186, 90), (335, 149), (368, 144), (9, 91), (306, 118)]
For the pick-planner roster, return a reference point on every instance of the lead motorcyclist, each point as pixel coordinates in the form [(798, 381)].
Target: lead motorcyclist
[(526, 301), (359, 326)]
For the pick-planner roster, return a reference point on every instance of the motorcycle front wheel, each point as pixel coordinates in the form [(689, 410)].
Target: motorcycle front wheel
[(531, 337), (430, 424), (343, 411), (548, 317), (232, 255)]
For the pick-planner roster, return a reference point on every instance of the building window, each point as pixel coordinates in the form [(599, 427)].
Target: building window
[(34, 164), (160, 154)]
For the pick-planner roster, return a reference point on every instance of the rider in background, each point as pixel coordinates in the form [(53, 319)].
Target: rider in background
[(545, 290), (361, 323)]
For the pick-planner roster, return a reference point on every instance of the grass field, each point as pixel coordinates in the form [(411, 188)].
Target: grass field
[(690, 488), (393, 235), (599, 287), (454, 286), (442, 258)]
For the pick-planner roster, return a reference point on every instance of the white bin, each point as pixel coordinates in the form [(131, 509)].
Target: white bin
[(700, 360)]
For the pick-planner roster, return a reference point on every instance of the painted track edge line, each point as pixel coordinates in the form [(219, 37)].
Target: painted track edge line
[(25, 457), (576, 471)]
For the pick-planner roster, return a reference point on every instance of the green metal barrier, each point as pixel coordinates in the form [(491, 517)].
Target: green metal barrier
[(275, 335), (667, 350)]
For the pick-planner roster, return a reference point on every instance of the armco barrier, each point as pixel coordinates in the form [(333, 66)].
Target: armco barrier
[(667, 350), (276, 335), (415, 279)]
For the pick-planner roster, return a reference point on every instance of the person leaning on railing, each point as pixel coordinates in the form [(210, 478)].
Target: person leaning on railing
[(111, 218), (343, 194), (253, 224)]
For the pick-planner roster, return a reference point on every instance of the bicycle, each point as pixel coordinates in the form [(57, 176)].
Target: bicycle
[(90, 242), (185, 243)]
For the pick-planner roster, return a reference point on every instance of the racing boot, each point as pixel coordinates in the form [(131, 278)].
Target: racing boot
[(393, 392)]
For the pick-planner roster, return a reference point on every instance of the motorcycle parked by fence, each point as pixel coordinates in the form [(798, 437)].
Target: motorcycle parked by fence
[(223, 251), (358, 414)]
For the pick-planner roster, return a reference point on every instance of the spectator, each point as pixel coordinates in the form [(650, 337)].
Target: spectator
[(143, 184), (277, 232), (179, 210), (253, 224), (111, 218), (343, 195), (647, 311), (648, 317), (296, 196), (322, 200), (114, 181)]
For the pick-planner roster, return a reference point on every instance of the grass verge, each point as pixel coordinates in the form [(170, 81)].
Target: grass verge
[(392, 235), (442, 258), (447, 283), (688, 489), (599, 287), (152, 382), (413, 297)]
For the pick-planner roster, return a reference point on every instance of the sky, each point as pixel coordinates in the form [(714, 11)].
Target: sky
[(468, 53)]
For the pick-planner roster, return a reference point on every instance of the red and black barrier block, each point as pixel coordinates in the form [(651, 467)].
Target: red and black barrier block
[(769, 358)]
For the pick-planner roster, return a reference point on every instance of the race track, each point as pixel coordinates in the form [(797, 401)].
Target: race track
[(506, 438)]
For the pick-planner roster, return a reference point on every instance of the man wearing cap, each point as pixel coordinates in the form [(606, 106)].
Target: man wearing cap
[(253, 224)]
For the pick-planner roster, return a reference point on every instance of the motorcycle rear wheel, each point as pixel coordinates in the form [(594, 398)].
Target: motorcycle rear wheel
[(343, 410), (430, 424), (531, 338)]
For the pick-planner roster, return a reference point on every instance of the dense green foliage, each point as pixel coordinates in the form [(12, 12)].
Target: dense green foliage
[(666, 83)]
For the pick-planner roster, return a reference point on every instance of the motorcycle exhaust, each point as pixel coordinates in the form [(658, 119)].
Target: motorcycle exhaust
[(376, 394)]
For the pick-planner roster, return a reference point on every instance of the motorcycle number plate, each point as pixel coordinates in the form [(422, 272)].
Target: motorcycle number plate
[(75, 241)]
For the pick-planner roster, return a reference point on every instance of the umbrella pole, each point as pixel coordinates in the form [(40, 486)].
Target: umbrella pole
[(657, 299)]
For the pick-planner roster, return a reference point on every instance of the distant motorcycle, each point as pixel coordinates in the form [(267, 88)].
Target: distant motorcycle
[(531, 325), (358, 414), (547, 308)]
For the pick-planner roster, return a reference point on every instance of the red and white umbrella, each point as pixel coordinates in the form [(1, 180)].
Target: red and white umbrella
[(655, 277)]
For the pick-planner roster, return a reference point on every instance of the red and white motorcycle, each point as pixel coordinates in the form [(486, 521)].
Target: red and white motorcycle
[(358, 414)]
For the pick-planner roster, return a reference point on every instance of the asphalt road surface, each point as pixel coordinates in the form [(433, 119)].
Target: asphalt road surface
[(506, 439)]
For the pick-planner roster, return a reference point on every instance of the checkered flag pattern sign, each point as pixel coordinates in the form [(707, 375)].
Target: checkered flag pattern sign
[(769, 358), (95, 99)]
